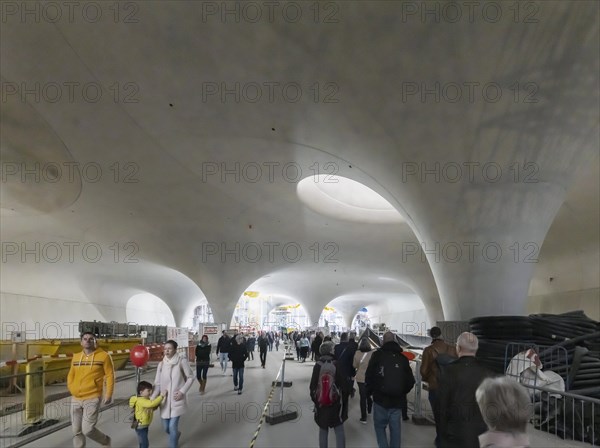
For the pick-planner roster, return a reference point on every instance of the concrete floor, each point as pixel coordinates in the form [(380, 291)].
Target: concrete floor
[(221, 418)]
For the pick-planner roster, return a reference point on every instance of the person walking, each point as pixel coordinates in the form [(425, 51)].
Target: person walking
[(430, 372), (223, 345), (304, 345), (203, 350), (144, 410), (389, 378), (238, 355), (90, 370), (270, 339), (263, 346), (174, 376), (344, 353), (297, 338), (360, 364), (328, 415), (461, 423), (353, 347), (250, 345), (316, 345)]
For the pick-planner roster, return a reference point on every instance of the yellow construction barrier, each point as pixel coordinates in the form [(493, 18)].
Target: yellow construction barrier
[(34, 392), (35, 399)]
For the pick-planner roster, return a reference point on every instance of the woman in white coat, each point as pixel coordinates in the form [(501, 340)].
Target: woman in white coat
[(176, 377)]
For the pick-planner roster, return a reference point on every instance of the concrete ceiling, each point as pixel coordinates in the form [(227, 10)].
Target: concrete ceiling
[(162, 195)]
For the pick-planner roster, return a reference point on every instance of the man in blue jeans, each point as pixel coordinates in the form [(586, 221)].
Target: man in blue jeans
[(238, 355), (389, 378), (223, 345)]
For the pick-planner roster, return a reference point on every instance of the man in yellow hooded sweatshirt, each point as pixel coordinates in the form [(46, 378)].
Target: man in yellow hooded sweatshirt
[(90, 369)]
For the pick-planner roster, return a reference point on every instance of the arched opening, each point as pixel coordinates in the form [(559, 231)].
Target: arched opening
[(270, 312), (202, 314), (361, 321), (403, 313), (332, 319), (147, 309), (288, 318), (249, 311)]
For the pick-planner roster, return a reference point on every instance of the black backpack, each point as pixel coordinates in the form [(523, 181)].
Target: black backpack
[(394, 380), (441, 361)]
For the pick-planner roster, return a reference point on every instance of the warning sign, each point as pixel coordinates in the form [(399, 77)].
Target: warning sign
[(211, 329)]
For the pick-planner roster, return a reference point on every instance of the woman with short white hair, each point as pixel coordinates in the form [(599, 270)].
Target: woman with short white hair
[(506, 408)]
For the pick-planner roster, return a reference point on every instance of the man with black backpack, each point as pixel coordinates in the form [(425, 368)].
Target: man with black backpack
[(438, 354), (389, 378)]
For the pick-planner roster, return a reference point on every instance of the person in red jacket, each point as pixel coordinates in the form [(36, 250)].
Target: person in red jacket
[(90, 370)]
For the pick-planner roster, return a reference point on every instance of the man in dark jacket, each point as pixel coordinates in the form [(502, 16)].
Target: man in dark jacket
[(250, 345), (316, 345), (344, 353), (238, 355), (223, 345), (460, 419), (389, 378), (353, 346), (270, 339), (263, 346)]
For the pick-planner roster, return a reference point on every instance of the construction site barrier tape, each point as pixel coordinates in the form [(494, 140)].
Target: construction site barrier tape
[(62, 355), (265, 409)]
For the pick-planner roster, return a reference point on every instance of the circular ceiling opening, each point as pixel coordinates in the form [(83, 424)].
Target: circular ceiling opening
[(342, 198)]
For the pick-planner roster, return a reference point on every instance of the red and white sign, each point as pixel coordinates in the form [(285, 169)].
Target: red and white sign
[(179, 335), (210, 329)]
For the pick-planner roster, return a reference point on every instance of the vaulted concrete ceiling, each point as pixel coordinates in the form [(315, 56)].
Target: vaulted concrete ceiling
[(172, 153)]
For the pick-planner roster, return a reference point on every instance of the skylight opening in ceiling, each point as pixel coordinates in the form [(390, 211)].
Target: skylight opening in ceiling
[(345, 199)]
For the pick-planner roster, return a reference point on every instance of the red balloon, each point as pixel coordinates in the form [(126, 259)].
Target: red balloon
[(139, 355)]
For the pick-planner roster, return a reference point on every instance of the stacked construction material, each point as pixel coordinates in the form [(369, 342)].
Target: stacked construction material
[(578, 334), (495, 332), (413, 341), (372, 337)]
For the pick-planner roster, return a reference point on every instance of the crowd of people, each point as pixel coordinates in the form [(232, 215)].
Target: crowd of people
[(472, 407)]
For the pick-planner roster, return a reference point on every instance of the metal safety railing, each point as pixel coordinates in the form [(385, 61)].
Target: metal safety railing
[(283, 414), (280, 383), (523, 360), (422, 414), (565, 414), (418, 407)]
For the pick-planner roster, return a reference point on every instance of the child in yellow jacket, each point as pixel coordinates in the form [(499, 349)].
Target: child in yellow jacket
[(144, 409)]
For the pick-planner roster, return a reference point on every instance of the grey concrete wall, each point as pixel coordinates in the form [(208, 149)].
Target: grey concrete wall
[(587, 300)]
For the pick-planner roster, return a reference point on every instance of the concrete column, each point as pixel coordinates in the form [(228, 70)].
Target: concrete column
[(483, 258)]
